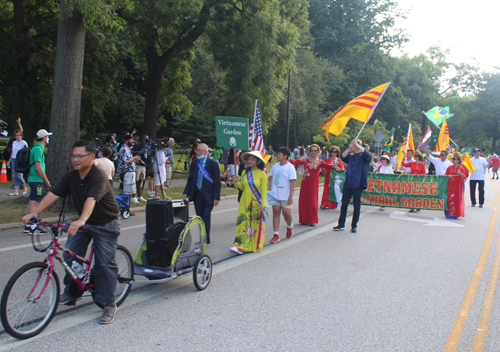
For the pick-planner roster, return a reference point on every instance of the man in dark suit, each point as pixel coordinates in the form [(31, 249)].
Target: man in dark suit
[(203, 185)]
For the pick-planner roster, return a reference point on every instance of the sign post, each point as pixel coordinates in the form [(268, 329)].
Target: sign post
[(378, 137), (232, 132)]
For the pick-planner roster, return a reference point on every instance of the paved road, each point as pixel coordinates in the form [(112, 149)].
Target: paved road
[(404, 282)]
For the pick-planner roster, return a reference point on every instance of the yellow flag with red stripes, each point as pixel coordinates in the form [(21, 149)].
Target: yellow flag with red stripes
[(468, 163), (360, 108)]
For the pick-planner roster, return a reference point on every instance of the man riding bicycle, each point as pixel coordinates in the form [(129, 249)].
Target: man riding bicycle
[(98, 219)]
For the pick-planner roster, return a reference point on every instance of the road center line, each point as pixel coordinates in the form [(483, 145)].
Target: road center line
[(463, 312)]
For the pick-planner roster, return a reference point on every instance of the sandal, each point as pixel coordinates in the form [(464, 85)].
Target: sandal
[(412, 210)]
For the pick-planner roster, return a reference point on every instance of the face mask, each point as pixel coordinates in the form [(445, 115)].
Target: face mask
[(200, 157), (47, 140)]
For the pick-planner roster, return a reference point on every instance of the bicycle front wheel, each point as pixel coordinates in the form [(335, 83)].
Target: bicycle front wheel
[(23, 315), (125, 264)]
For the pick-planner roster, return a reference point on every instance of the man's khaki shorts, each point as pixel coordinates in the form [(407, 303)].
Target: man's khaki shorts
[(140, 173)]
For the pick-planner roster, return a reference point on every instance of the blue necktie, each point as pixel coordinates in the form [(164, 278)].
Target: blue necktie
[(199, 183)]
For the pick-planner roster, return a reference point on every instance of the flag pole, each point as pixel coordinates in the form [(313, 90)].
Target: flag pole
[(408, 138), (423, 112), (253, 125), (373, 109)]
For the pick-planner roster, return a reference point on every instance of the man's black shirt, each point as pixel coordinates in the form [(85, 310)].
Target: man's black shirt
[(94, 185)]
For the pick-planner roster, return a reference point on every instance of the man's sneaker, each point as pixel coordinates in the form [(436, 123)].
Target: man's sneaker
[(338, 228), (289, 232), (354, 230), (108, 315), (151, 193), (473, 205), (142, 199), (236, 250), (68, 300), (134, 200), (27, 229), (275, 239), (480, 205)]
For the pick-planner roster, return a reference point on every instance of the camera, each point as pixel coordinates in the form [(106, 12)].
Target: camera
[(3, 132), (186, 144), (156, 144), (98, 144)]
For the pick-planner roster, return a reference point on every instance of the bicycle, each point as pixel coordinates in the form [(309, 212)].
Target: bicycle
[(31, 296)]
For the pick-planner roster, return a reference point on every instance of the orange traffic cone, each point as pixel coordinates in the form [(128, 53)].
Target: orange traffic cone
[(3, 174)]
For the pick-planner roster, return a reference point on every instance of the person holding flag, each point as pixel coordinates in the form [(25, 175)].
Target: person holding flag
[(441, 164), (477, 177), (456, 174), (407, 149), (250, 220)]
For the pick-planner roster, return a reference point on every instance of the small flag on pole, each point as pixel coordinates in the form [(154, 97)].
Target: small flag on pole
[(437, 115), (444, 138), (389, 141), (425, 139), (468, 163), (255, 136)]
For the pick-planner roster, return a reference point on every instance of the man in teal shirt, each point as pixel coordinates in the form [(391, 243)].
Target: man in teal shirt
[(37, 179)]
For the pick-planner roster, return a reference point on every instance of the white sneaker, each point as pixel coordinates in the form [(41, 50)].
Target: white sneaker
[(142, 199), (134, 200), (151, 193), (236, 250)]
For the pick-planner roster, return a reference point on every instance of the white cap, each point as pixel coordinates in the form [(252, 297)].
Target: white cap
[(43, 133)]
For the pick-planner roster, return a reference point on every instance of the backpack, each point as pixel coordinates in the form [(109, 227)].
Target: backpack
[(23, 160)]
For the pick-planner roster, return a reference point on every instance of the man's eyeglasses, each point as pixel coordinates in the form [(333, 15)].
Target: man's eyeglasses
[(314, 150), (443, 154), (455, 159), (78, 157)]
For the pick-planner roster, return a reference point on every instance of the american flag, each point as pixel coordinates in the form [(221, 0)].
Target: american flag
[(255, 137)]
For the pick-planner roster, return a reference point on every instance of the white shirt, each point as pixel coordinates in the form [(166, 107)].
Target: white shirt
[(479, 163), (394, 161), (106, 165), (440, 165), (386, 170), (282, 174), (17, 146)]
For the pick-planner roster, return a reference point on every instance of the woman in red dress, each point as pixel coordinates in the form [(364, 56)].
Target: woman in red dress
[(336, 163), (456, 174), (417, 168), (308, 198)]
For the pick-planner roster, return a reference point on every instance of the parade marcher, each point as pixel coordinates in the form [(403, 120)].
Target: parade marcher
[(441, 164), (477, 178), (193, 155), (128, 166), (249, 224), (203, 185), (232, 163), (416, 167), (308, 197), (456, 174), (270, 151), (409, 159), (104, 163), (98, 221), (356, 180), (17, 145), (336, 163), (282, 180), (495, 163), (394, 162), (385, 168), (37, 179)]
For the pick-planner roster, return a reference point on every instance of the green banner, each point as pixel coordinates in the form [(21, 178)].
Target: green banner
[(232, 132), (397, 191)]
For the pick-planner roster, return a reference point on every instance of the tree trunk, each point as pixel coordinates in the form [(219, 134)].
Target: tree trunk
[(156, 67), (66, 100)]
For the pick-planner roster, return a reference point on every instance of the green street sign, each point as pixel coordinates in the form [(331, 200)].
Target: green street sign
[(232, 132)]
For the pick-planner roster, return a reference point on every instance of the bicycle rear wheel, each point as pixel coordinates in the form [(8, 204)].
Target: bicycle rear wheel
[(125, 264), (22, 316)]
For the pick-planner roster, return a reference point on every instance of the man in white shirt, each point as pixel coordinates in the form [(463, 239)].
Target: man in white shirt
[(477, 178), (441, 163), (282, 180), (394, 161)]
